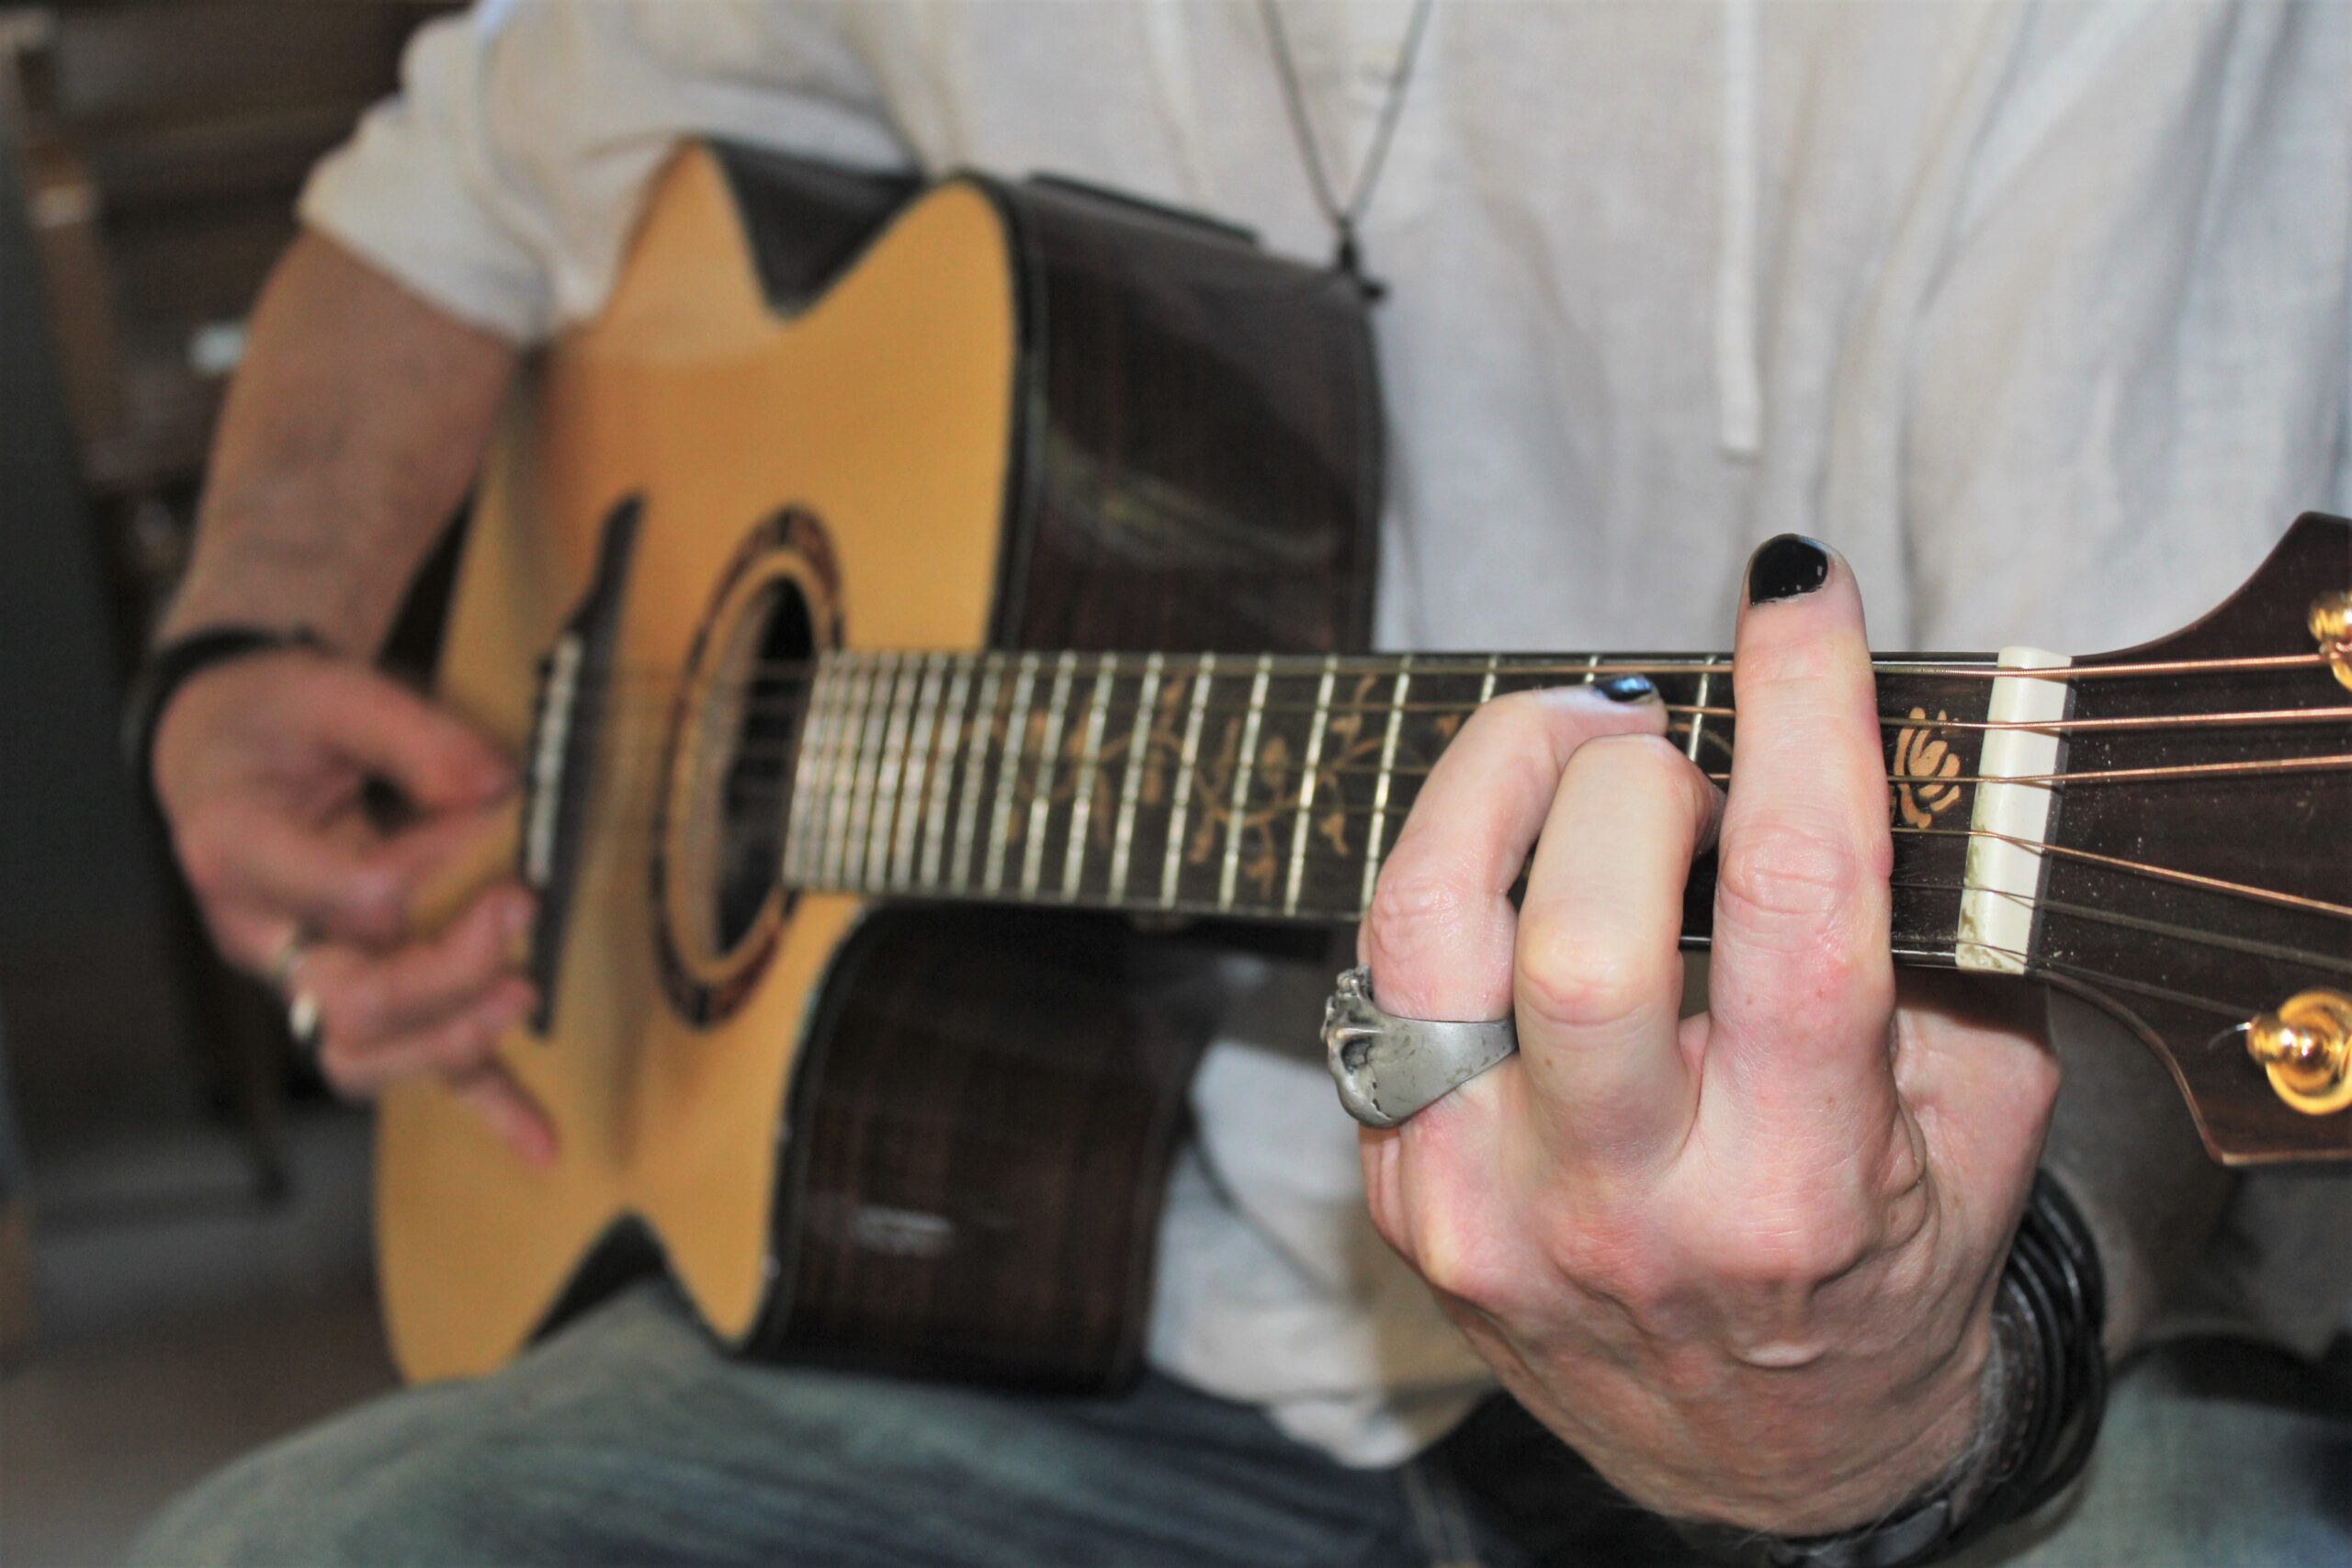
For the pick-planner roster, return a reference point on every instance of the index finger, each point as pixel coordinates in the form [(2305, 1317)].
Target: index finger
[(436, 758), (1802, 982)]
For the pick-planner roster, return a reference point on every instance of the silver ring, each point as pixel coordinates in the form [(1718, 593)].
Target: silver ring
[(302, 1019), (301, 1005), (1389, 1068)]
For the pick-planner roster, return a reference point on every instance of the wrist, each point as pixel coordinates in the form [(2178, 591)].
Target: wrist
[(177, 660)]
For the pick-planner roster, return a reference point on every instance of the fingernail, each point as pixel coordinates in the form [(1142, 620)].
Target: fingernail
[(1785, 567), (1628, 689)]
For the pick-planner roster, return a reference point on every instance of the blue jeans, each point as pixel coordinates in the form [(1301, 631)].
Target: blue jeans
[(629, 1439)]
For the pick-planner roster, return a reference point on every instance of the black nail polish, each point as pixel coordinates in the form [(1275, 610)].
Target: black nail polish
[(1785, 567), (1628, 689)]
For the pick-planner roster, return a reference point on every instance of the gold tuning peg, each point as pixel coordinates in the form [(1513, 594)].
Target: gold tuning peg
[(2331, 623), (2306, 1047)]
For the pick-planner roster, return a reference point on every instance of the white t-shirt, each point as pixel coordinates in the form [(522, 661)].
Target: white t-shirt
[(2042, 314)]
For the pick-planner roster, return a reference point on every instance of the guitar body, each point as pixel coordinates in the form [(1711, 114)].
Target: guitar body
[(842, 415)]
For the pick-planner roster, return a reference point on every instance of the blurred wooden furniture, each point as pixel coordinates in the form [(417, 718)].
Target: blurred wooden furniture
[(165, 144)]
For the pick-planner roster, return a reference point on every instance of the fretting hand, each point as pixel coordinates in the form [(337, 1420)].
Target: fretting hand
[(1743, 1262)]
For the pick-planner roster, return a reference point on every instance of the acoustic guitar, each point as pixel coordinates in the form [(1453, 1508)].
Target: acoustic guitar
[(928, 615)]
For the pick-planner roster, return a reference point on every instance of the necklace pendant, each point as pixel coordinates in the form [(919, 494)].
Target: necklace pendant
[(1348, 262)]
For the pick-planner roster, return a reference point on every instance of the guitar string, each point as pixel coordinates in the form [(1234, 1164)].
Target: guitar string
[(784, 711), (785, 708), (778, 706), (779, 747), (2254, 945), (2218, 885), (1470, 665), (1028, 761), (2032, 964), (2160, 873), (789, 746)]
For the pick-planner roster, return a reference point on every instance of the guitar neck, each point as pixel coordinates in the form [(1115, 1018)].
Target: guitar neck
[(1263, 787)]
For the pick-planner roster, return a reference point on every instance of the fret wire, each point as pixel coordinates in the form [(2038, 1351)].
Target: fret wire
[(975, 782), (845, 771), (842, 725), (869, 697), (1372, 852), (918, 774), (1008, 774), (934, 838), (1090, 762), (1131, 780), (887, 799), (1242, 767), (1487, 686), (821, 794), (804, 783), (1698, 710), (1202, 681), (1308, 780), (843, 768), (1041, 800), (870, 746)]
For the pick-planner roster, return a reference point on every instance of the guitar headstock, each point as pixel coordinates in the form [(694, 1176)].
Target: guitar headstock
[(2199, 879)]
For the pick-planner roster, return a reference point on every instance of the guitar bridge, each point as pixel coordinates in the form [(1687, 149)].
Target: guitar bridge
[(574, 682)]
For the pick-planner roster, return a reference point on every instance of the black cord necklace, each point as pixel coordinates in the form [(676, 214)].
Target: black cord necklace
[(1345, 217)]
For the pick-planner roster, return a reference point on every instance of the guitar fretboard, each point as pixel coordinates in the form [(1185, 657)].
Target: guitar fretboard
[(1260, 787)]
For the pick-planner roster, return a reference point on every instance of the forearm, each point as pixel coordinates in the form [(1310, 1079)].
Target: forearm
[(350, 435)]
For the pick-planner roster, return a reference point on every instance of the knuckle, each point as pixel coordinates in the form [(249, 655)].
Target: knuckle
[(374, 899), (1413, 906), (1609, 1252), (1789, 1240), (1777, 1258), (1782, 875), (1458, 1261), (1573, 979)]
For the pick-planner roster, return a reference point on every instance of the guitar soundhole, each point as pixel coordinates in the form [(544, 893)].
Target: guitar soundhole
[(734, 736), (756, 787)]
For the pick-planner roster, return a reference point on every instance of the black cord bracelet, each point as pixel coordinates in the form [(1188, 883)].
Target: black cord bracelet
[(2049, 1314), (171, 666)]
